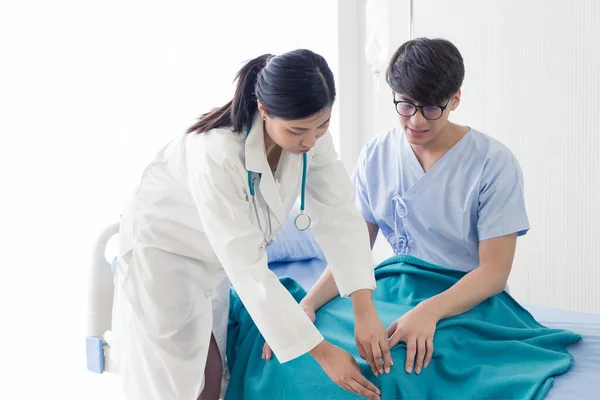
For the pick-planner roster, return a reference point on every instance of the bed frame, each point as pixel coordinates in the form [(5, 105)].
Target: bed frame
[(100, 303)]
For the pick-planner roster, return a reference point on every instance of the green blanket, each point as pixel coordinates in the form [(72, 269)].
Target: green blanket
[(494, 351)]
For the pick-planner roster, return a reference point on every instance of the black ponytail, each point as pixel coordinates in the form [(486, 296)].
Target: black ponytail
[(239, 111), (293, 85)]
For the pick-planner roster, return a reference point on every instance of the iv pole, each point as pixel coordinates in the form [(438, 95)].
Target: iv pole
[(411, 31)]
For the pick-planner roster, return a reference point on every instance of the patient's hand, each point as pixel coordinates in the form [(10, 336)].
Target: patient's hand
[(416, 328), (267, 353)]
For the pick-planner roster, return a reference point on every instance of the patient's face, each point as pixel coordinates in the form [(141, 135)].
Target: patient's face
[(297, 136), (418, 129)]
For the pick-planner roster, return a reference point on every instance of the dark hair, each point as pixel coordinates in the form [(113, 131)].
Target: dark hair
[(293, 85), (430, 71)]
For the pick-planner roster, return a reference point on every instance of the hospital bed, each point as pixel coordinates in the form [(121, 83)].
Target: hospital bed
[(296, 254)]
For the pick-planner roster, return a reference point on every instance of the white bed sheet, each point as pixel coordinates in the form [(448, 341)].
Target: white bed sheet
[(582, 382)]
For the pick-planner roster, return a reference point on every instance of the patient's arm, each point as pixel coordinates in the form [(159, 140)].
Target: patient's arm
[(373, 231), (324, 290), (495, 263), (417, 327)]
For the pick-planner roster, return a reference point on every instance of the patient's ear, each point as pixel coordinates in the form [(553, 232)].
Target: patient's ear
[(455, 100)]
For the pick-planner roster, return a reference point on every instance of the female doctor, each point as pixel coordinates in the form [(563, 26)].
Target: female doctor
[(205, 210)]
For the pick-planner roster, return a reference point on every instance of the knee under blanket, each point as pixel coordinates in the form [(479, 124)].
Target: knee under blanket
[(494, 351)]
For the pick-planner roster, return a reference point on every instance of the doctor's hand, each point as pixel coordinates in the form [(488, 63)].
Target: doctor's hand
[(342, 368), (370, 333), (372, 341), (416, 328), (267, 353)]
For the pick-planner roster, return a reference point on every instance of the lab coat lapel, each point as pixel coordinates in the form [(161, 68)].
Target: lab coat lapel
[(256, 161)]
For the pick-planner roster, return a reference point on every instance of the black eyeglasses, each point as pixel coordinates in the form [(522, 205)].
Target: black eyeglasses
[(408, 109)]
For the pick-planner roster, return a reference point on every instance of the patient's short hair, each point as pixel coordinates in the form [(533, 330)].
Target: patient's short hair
[(429, 71)]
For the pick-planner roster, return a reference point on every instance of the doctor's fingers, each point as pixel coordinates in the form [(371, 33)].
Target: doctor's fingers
[(366, 356), (354, 381), (360, 385), (267, 353), (377, 356), (387, 355)]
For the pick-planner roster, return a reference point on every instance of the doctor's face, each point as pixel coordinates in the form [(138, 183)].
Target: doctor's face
[(299, 135), (423, 123)]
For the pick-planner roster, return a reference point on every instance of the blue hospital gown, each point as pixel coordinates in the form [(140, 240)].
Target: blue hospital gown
[(473, 193)]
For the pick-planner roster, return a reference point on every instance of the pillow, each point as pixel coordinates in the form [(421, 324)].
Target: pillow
[(293, 245)]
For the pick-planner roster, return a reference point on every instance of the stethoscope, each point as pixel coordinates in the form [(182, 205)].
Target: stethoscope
[(302, 220)]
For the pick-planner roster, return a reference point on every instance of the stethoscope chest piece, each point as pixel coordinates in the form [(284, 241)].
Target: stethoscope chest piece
[(302, 222)]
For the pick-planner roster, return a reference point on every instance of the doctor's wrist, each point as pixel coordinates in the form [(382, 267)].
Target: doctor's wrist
[(362, 301), (319, 351)]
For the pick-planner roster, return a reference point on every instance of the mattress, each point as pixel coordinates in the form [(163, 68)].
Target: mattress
[(583, 381)]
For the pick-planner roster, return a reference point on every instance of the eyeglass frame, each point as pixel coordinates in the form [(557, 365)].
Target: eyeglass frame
[(443, 108)]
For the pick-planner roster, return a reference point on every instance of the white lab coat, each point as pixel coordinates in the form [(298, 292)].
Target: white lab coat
[(190, 224)]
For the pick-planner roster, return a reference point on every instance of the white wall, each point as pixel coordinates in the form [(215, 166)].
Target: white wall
[(89, 91), (533, 82), (377, 113)]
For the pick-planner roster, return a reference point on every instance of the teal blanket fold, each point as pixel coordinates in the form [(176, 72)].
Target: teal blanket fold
[(494, 351)]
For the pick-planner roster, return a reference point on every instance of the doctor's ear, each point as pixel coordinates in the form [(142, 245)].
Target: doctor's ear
[(262, 110)]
